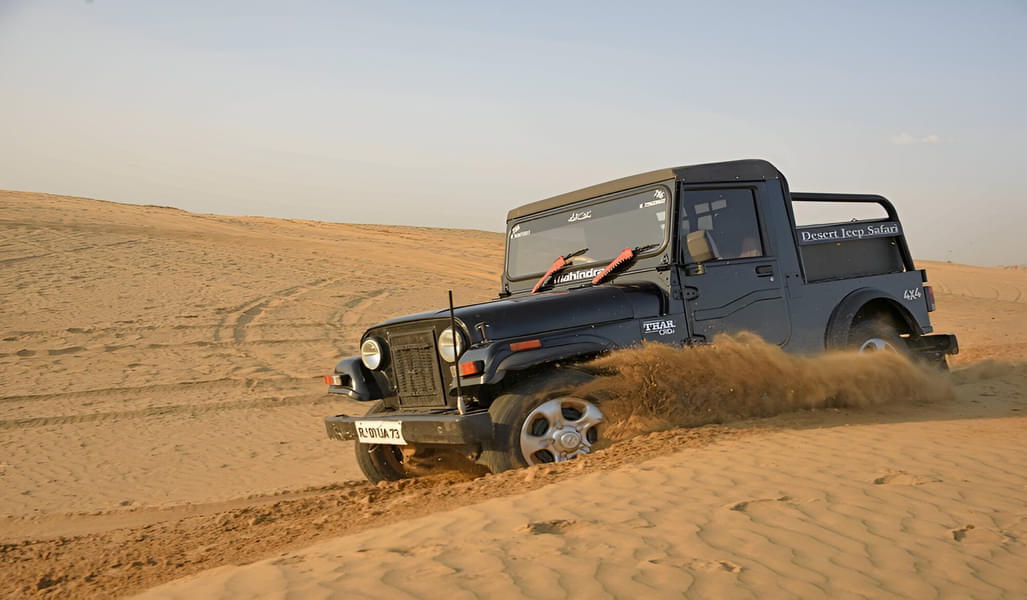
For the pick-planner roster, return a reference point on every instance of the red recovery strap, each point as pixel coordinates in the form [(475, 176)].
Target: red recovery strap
[(557, 265), (625, 255)]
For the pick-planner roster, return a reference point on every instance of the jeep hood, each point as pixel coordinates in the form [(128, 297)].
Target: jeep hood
[(550, 311)]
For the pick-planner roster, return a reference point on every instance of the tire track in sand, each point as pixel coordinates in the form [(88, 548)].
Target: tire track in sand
[(236, 326), (173, 409), (340, 325)]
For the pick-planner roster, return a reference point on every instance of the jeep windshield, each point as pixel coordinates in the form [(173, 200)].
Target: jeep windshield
[(605, 228)]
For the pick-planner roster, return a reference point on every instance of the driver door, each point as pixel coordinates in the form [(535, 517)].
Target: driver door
[(737, 287)]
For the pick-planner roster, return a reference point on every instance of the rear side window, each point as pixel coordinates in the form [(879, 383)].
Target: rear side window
[(728, 216)]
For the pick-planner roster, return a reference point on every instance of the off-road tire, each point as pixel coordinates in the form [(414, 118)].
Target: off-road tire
[(379, 462), (509, 411), (875, 335)]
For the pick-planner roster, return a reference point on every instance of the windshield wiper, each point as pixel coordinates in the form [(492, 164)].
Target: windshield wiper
[(625, 255), (559, 263)]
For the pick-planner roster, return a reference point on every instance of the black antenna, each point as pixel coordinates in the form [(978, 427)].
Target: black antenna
[(456, 356)]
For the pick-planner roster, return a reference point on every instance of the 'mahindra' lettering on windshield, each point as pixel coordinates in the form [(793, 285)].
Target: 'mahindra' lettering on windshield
[(578, 275)]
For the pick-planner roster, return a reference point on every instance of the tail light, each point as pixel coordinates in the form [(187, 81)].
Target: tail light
[(929, 293)]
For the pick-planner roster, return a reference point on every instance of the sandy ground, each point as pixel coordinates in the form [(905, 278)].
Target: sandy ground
[(153, 357), (161, 406), (899, 510)]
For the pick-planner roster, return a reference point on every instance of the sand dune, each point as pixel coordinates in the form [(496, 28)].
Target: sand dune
[(900, 510), (987, 306), (142, 343), (161, 406)]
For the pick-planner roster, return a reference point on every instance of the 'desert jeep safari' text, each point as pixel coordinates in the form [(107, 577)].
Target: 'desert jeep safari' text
[(676, 256)]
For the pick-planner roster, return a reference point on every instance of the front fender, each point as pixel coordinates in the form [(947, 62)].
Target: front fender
[(357, 382), (499, 359)]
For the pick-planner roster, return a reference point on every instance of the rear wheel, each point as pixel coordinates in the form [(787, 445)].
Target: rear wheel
[(380, 462), (876, 335), (542, 422)]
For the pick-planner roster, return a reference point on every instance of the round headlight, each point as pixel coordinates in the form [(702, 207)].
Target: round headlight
[(450, 345), (371, 353)]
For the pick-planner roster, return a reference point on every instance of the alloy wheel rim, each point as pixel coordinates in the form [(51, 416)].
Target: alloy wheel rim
[(876, 344), (560, 429)]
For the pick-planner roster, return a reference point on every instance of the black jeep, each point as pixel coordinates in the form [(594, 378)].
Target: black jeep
[(674, 256)]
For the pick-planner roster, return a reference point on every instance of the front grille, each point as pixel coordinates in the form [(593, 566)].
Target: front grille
[(416, 369)]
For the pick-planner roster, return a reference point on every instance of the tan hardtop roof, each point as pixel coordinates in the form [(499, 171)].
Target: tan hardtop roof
[(735, 170)]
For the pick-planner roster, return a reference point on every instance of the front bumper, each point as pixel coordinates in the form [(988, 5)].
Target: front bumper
[(444, 428)]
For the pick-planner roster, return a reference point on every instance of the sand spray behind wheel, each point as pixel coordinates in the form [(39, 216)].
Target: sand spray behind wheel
[(655, 386)]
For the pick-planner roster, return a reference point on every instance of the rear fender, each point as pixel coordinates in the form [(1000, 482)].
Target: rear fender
[(843, 316)]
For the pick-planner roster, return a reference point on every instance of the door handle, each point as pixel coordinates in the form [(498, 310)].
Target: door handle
[(764, 270)]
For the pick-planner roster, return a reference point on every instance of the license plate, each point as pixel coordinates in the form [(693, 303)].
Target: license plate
[(380, 432)]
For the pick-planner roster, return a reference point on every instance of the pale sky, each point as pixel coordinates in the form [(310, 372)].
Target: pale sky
[(449, 114)]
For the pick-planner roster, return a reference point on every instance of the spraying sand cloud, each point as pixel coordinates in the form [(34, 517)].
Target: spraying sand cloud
[(655, 386)]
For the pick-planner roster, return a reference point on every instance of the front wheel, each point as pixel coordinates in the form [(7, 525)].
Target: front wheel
[(380, 462), (542, 422)]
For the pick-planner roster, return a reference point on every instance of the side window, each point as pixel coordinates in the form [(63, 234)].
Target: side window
[(729, 218)]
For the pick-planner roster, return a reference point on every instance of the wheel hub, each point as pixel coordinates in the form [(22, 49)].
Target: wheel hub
[(559, 429), (569, 440)]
